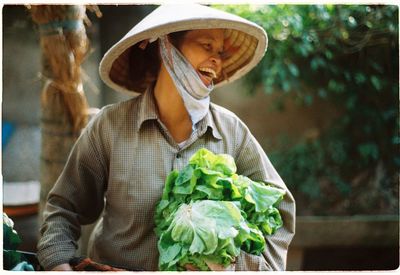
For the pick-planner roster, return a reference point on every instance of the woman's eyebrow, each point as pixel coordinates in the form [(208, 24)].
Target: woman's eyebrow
[(206, 36), (210, 38)]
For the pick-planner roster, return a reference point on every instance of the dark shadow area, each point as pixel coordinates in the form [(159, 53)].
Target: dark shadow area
[(351, 258)]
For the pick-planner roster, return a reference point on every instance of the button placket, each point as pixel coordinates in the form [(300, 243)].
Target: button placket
[(179, 161)]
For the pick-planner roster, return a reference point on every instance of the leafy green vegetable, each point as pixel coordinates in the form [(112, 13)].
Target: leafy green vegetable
[(12, 259), (10, 236), (208, 213)]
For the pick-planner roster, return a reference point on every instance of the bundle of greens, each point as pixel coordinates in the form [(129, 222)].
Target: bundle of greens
[(208, 213)]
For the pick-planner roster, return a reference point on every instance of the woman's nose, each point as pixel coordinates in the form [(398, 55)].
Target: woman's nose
[(216, 59)]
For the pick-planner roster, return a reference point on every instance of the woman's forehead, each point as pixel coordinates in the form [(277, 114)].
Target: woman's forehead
[(214, 34)]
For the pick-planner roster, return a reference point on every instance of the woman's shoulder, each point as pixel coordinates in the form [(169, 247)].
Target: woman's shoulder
[(115, 114), (118, 109), (222, 115), (128, 105)]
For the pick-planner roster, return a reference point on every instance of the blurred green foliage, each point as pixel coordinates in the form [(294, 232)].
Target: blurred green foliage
[(347, 55)]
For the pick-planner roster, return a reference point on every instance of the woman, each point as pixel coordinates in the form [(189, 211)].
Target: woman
[(117, 168)]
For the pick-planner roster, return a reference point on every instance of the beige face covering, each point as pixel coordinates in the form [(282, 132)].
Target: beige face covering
[(194, 93)]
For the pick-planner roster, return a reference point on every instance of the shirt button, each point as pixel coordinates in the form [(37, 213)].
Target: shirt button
[(178, 156)]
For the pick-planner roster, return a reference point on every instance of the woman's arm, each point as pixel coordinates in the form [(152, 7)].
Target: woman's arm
[(253, 162), (77, 198)]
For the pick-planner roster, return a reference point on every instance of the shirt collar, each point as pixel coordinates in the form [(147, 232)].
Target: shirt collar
[(208, 122), (147, 108), (148, 111)]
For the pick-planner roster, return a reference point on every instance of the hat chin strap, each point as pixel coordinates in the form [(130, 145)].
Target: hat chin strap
[(195, 95)]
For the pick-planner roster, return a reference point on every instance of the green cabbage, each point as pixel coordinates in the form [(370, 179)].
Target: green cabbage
[(208, 213)]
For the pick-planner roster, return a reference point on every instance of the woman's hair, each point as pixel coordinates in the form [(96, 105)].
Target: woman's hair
[(145, 64)]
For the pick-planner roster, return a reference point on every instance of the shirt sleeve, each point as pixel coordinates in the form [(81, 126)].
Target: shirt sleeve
[(76, 199), (254, 163)]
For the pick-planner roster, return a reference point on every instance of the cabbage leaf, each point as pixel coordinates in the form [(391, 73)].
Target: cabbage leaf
[(208, 213)]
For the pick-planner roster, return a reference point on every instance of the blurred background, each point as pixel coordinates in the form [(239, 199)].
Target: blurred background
[(323, 103)]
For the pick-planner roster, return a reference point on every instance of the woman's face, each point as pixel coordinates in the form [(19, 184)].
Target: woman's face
[(203, 49)]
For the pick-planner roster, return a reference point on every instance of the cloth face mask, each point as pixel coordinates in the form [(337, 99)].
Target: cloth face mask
[(195, 95)]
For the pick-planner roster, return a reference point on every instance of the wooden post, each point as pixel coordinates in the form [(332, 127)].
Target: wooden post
[(64, 111)]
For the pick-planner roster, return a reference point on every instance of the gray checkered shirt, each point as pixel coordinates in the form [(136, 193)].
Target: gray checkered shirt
[(117, 169)]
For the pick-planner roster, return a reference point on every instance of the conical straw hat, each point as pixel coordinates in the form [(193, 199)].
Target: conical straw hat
[(245, 42)]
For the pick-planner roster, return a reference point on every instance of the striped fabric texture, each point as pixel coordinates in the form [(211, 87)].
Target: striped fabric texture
[(117, 170)]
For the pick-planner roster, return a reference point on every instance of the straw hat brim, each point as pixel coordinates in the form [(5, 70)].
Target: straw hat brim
[(165, 20)]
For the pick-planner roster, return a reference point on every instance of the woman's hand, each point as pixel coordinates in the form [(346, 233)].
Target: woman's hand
[(62, 267), (219, 267), (190, 267)]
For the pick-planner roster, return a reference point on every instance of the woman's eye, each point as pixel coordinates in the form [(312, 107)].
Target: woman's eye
[(207, 46), (222, 55)]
